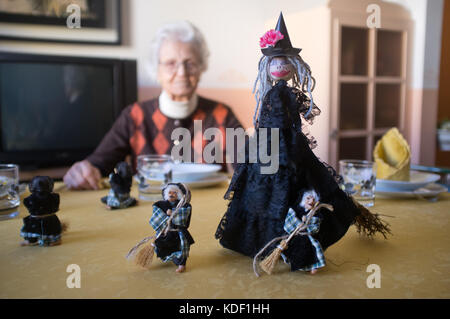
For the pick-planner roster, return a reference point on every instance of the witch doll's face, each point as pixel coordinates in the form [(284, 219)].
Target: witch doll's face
[(172, 195), (309, 202), (280, 68)]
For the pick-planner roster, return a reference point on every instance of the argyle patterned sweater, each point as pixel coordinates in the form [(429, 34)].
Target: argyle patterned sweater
[(142, 128)]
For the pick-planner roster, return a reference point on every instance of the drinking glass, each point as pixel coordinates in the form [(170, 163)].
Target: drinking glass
[(359, 180), (154, 171), (9, 191)]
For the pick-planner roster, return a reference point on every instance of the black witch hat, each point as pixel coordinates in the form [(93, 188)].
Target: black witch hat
[(283, 47)]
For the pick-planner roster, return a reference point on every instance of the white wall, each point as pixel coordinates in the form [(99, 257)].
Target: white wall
[(232, 29), (433, 33), (427, 17)]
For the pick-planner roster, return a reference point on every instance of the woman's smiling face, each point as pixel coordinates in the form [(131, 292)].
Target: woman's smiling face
[(280, 68)]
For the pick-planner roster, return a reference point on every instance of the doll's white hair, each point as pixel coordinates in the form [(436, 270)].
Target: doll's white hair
[(309, 193), (173, 187), (182, 31), (302, 79)]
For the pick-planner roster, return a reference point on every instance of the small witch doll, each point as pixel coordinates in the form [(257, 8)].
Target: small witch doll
[(170, 219), (299, 247), (119, 194), (42, 227), (258, 202)]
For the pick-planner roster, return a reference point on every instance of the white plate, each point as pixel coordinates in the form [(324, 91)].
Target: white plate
[(429, 190), (417, 180), (188, 172), (209, 181)]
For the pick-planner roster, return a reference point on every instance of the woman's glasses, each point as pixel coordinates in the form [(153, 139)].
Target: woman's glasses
[(172, 66)]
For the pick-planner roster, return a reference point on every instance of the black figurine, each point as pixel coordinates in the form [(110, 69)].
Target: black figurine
[(119, 195), (42, 227)]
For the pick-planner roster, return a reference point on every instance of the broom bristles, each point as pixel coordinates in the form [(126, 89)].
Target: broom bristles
[(369, 223), (269, 263), (144, 257)]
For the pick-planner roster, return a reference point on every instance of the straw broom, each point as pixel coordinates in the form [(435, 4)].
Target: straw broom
[(269, 263), (369, 223), (144, 256)]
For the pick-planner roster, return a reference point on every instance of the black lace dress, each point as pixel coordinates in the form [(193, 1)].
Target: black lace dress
[(259, 202)]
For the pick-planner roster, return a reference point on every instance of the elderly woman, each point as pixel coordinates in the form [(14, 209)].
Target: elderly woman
[(179, 56)]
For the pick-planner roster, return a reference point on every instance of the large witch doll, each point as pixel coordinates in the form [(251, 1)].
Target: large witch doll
[(259, 203)]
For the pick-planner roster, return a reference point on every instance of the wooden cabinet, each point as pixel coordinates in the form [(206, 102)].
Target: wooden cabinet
[(362, 72), (369, 77), (370, 83)]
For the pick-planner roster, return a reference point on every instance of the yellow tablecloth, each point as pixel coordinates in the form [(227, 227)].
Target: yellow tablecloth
[(414, 262)]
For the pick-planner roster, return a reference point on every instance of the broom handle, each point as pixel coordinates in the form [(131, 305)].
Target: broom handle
[(297, 231), (177, 209), (164, 231), (309, 216), (285, 237)]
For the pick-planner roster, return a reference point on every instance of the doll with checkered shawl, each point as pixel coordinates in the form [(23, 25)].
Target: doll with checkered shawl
[(304, 252), (173, 243), (119, 194), (258, 202)]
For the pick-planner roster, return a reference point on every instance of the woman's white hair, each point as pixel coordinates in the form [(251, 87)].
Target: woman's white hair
[(182, 31)]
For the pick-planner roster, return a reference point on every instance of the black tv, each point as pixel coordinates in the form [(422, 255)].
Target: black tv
[(54, 110)]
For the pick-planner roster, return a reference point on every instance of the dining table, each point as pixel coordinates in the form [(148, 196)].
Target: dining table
[(90, 263)]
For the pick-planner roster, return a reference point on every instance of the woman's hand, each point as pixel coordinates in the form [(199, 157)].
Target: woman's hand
[(82, 175)]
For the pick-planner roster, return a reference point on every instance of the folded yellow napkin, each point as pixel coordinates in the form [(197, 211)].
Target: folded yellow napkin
[(393, 156)]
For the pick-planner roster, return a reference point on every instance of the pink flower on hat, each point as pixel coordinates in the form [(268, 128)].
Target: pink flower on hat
[(270, 38)]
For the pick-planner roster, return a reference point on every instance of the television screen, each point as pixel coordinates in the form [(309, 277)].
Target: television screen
[(54, 110), (55, 106)]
